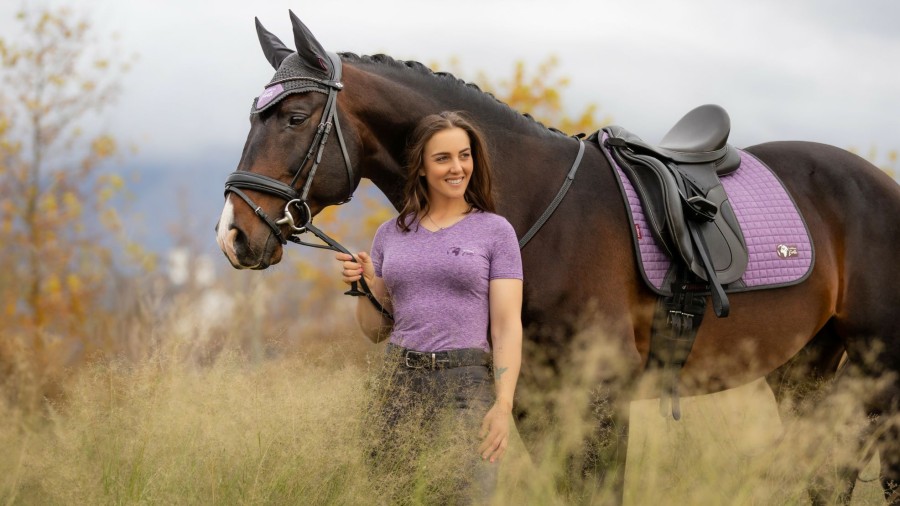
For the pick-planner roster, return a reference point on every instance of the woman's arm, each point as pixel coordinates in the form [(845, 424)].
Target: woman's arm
[(506, 335), (374, 325)]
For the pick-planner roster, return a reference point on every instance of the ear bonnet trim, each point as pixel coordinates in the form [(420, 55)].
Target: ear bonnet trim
[(291, 77)]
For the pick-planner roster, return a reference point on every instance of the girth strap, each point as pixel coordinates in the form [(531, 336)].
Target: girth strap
[(676, 322)]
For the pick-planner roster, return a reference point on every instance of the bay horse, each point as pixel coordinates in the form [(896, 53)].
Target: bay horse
[(330, 120)]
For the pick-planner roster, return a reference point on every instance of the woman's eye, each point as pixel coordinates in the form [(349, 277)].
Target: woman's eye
[(297, 120), (465, 156)]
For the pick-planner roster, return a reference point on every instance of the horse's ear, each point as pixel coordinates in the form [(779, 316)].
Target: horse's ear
[(274, 49), (311, 52)]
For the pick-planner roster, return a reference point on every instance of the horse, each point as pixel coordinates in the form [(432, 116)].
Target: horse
[(328, 120)]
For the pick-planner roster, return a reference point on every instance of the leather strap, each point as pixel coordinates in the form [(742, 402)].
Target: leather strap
[(262, 214), (717, 293), (556, 200), (260, 183), (412, 359)]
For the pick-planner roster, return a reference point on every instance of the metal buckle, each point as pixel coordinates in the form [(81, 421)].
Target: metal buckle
[(421, 364), (679, 320), (288, 218), (409, 353)]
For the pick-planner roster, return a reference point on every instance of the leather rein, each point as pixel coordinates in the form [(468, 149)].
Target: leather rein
[(243, 180)]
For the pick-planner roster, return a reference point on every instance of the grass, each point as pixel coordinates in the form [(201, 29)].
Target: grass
[(230, 429)]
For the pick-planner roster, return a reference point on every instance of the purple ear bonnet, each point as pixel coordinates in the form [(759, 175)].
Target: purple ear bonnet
[(291, 77)]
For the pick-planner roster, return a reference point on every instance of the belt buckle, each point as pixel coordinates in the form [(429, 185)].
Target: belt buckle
[(418, 355)]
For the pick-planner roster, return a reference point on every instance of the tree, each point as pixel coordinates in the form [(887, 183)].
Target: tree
[(56, 217), (887, 162), (537, 92)]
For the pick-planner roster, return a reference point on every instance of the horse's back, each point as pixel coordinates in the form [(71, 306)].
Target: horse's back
[(815, 170), (852, 210)]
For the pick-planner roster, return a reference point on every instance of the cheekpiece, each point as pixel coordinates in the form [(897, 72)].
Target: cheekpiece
[(291, 77)]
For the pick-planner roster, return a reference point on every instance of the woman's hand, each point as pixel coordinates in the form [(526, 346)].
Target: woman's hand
[(352, 271), (495, 432)]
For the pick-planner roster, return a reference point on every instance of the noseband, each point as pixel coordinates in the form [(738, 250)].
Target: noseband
[(244, 180)]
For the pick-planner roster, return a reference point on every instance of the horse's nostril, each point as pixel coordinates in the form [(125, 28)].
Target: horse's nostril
[(240, 243)]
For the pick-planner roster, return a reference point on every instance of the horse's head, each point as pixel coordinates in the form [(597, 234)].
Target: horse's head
[(296, 160)]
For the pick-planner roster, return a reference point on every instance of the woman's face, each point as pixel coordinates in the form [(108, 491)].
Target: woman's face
[(448, 165)]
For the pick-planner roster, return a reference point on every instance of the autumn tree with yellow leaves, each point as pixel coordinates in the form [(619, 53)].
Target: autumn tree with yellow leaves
[(55, 217), (537, 91)]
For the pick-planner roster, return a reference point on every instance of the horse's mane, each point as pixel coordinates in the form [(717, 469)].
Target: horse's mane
[(448, 81)]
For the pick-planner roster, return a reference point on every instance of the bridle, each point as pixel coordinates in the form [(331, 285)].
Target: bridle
[(243, 180)]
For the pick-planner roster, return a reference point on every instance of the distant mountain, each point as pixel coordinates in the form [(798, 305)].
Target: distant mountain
[(174, 202)]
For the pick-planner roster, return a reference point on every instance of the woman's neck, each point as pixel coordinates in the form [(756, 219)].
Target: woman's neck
[(448, 208)]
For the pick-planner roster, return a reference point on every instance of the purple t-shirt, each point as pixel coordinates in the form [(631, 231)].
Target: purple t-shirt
[(438, 281)]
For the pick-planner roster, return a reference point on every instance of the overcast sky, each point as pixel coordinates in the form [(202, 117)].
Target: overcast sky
[(822, 70)]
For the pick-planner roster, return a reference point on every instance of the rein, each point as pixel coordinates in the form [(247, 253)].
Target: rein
[(243, 180)]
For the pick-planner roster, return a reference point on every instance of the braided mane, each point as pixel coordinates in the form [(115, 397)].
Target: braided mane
[(446, 81)]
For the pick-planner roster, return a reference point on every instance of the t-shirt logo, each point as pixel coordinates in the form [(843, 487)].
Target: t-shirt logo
[(460, 252)]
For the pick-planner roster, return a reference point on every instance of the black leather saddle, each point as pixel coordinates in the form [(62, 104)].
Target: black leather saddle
[(685, 204)]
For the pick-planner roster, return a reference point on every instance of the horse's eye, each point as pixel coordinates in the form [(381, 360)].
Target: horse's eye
[(297, 120)]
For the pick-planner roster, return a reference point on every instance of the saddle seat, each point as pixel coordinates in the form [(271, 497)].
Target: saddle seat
[(701, 136), (679, 187)]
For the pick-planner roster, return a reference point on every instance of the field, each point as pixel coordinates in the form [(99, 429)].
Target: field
[(288, 430)]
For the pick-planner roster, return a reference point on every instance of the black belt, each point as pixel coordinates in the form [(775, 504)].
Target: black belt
[(413, 359)]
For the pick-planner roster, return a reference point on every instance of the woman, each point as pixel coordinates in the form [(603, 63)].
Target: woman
[(449, 269)]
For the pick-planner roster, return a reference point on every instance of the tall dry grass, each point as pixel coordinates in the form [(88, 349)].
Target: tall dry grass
[(210, 415)]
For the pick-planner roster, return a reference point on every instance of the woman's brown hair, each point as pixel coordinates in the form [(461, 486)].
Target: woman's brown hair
[(415, 192)]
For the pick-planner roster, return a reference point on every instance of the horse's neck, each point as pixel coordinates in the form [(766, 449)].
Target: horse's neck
[(524, 153)]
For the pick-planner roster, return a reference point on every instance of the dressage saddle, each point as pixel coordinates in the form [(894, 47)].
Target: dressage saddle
[(686, 206)]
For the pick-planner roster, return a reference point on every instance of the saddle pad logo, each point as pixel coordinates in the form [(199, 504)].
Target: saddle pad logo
[(785, 251)]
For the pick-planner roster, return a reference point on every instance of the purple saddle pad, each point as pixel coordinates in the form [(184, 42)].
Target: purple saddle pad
[(778, 242)]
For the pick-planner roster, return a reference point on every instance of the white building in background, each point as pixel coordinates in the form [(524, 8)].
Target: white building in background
[(187, 271)]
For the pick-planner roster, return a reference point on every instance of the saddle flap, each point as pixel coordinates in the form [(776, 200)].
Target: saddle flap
[(679, 198)]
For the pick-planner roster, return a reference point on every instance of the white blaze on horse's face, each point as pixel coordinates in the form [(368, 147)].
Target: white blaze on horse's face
[(225, 235)]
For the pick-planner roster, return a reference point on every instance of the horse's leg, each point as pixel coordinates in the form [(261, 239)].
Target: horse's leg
[(880, 378), (573, 412), (800, 386), (606, 447), (800, 383), (867, 322), (616, 370)]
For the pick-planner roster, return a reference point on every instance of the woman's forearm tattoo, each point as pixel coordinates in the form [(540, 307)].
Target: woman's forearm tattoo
[(499, 372)]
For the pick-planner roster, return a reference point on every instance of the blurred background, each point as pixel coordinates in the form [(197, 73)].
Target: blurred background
[(119, 121)]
